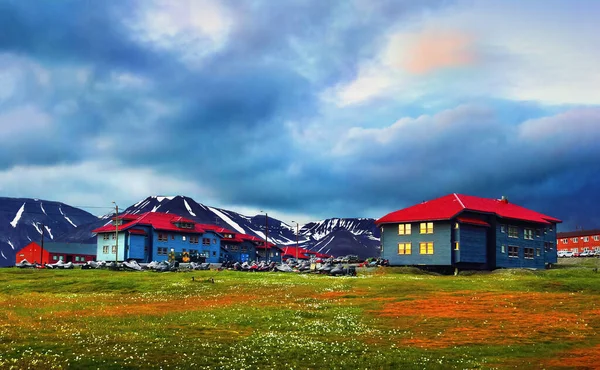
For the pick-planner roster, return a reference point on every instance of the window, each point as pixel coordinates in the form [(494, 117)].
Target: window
[(183, 238), (163, 237), (215, 253), (538, 252), (244, 249), (76, 258), (596, 238), (502, 228), (529, 234), (193, 251), (575, 240), (528, 253), (565, 241), (503, 249), (214, 241), (172, 236), (105, 249), (106, 236), (456, 246), (162, 251), (426, 227), (513, 232), (54, 258), (113, 236), (426, 248), (404, 229), (549, 228), (205, 241), (194, 239), (114, 249), (513, 252), (456, 226), (233, 247), (538, 233), (404, 248), (586, 239), (548, 246)]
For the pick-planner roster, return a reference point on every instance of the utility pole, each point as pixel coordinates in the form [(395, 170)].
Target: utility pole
[(42, 249), (297, 231), (266, 235), (116, 234)]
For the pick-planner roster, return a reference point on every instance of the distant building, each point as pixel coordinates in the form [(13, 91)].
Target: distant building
[(152, 236), (467, 232), (54, 252), (579, 241), (235, 246)]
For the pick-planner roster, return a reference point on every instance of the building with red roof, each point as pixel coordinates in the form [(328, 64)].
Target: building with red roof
[(153, 236), (468, 232)]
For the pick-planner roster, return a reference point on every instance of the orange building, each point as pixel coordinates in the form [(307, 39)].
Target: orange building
[(53, 252), (579, 241)]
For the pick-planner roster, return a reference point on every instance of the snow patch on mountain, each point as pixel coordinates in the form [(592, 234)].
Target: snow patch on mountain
[(43, 210), (3, 256), (11, 244), (189, 209), (49, 232), (65, 216), (229, 221), (35, 224), (15, 221)]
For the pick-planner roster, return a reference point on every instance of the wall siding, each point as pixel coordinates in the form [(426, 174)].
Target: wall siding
[(441, 238), (502, 238), (473, 242)]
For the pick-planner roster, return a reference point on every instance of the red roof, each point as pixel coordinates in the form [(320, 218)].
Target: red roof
[(158, 220), (296, 252), (449, 206), (472, 221), (137, 231)]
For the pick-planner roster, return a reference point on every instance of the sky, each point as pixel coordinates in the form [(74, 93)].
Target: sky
[(304, 109)]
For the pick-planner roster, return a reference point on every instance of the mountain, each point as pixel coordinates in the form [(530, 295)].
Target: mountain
[(336, 236), (23, 220)]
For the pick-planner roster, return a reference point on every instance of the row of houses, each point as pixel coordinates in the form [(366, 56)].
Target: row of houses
[(153, 236)]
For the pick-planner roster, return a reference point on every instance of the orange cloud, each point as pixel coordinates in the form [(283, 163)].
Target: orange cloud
[(430, 51)]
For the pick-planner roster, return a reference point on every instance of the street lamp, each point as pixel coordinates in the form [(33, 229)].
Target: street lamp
[(297, 232)]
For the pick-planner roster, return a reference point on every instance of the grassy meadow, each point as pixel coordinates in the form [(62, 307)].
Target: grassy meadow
[(386, 318)]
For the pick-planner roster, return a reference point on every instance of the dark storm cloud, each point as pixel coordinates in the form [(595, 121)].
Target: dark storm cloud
[(90, 87)]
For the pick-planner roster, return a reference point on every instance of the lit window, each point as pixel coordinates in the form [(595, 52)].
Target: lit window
[(54, 258), (426, 227), (538, 252), (183, 237), (529, 234), (513, 232), (528, 253), (513, 252), (502, 228), (426, 248), (404, 229), (404, 248), (503, 249), (456, 246), (456, 226)]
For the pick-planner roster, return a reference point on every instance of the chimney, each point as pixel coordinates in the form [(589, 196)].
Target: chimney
[(504, 199)]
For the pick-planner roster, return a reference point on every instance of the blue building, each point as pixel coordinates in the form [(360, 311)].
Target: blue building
[(153, 236), (467, 232)]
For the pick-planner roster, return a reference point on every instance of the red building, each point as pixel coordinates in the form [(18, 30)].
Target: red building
[(53, 252), (579, 241)]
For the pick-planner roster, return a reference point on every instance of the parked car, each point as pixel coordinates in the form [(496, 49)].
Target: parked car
[(566, 254), (585, 254)]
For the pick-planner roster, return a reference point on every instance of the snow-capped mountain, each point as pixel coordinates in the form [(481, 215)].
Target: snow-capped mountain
[(336, 236), (23, 220)]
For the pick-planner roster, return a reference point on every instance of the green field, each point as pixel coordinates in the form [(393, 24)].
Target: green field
[(387, 318)]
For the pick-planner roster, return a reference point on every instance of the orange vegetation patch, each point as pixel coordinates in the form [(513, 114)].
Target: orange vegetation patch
[(341, 294), (463, 318), (583, 358)]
